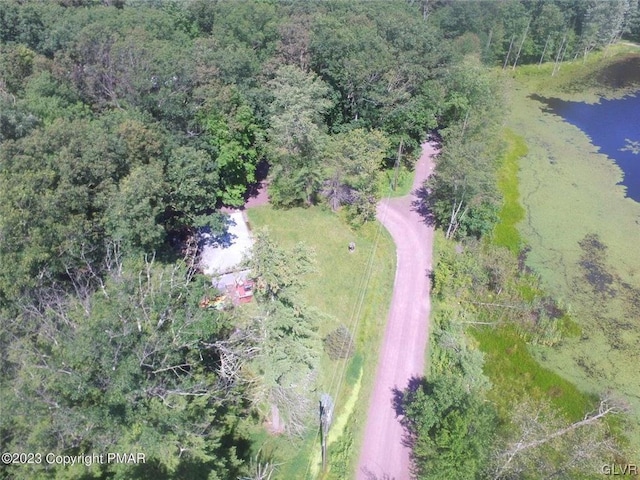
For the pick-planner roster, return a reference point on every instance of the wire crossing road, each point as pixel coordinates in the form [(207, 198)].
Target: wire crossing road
[(383, 454)]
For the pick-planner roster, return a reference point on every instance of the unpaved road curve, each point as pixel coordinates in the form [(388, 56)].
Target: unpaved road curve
[(383, 455)]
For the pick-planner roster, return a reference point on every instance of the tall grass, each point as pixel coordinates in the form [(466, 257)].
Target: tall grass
[(506, 233), (515, 374), (402, 180), (582, 80)]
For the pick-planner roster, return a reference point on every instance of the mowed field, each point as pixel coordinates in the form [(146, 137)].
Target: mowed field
[(584, 237)]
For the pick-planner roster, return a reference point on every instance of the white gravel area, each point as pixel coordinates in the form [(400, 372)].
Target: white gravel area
[(224, 253)]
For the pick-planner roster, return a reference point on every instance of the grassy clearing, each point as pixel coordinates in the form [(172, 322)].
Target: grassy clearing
[(336, 290), (569, 193), (403, 186), (516, 374), (506, 234), (599, 76)]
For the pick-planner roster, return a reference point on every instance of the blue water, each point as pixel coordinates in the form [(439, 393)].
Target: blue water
[(612, 125)]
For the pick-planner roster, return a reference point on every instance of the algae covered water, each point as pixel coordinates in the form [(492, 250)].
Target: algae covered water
[(583, 234), (613, 126)]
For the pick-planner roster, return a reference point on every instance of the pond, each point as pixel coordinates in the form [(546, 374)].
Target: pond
[(613, 126)]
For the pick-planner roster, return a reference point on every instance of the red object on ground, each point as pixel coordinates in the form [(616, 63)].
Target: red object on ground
[(383, 453), (244, 291)]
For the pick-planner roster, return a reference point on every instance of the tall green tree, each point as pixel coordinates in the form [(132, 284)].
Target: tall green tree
[(129, 368), (451, 428), (54, 184), (233, 134), (296, 135), (193, 185), (353, 162), (279, 273), (548, 30), (290, 346), (133, 216), (464, 199)]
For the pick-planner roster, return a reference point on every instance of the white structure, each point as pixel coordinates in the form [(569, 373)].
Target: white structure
[(223, 254)]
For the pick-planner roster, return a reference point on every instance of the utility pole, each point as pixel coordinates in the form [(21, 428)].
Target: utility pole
[(326, 417), (397, 166)]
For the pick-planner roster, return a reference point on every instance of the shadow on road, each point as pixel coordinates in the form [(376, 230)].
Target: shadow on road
[(421, 205), (398, 395), (369, 475), (398, 400)]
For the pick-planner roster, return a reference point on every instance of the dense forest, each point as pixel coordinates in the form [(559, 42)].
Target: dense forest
[(125, 125)]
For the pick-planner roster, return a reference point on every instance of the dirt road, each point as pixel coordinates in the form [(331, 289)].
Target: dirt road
[(383, 455)]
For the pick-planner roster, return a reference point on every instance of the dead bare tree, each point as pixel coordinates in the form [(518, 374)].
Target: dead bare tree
[(537, 426), (295, 405), (235, 352), (260, 468), (544, 50), (524, 38), (506, 58), (560, 56)]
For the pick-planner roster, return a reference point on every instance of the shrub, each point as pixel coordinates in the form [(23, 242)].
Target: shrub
[(339, 343)]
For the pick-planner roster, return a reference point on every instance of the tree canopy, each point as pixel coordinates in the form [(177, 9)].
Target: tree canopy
[(126, 126)]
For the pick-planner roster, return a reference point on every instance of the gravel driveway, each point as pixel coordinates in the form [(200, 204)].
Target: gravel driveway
[(383, 455)]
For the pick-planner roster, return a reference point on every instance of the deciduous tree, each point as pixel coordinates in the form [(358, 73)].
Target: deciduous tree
[(450, 428), (131, 370), (353, 161), (296, 133)]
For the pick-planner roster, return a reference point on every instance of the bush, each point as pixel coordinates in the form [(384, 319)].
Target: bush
[(339, 343)]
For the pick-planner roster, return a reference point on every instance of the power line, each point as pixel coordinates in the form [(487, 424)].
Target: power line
[(354, 319)]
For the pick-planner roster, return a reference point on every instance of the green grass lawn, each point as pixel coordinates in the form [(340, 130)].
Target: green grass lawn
[(351, 288), (403, 183)]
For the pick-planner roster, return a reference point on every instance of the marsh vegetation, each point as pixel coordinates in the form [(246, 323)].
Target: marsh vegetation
[(581, 228)]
